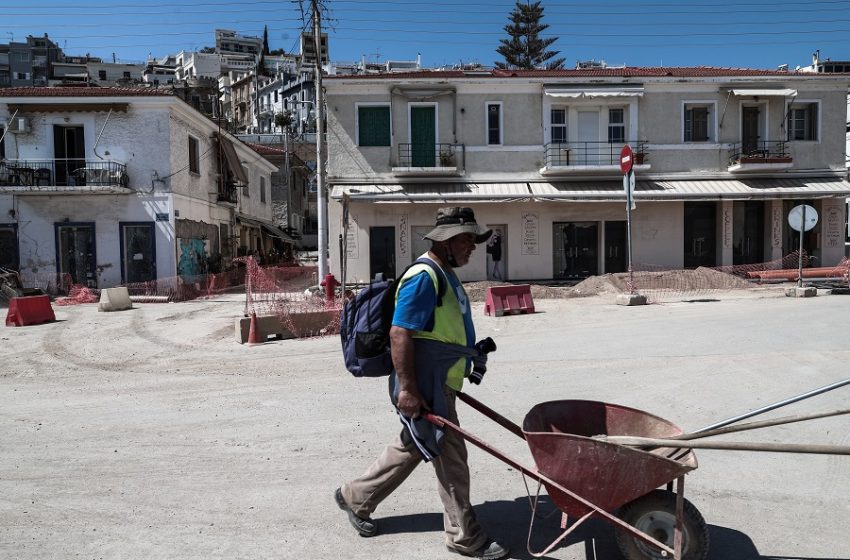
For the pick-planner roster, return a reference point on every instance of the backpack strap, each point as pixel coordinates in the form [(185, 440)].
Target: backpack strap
[(441, 277)]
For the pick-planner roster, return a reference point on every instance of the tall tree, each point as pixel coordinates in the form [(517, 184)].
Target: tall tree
[(524, 49), (265, 39)]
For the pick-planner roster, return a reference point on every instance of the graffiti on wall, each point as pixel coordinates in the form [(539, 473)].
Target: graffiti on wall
[(192, 257)]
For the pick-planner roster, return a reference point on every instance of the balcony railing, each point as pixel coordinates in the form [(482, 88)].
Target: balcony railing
[(590, 154), (432, 155), (228, 194), (769, 151), (63, 173)]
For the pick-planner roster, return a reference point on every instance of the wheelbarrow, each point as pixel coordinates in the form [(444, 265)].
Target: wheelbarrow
[(607, 461)]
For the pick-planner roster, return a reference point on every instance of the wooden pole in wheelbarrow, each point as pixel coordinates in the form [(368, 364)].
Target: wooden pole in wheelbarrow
[(634, 441)]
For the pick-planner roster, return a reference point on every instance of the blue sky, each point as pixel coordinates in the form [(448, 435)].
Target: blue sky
[(753, 34)]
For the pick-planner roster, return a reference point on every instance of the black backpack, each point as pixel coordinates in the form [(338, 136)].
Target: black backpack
[(366, 321)]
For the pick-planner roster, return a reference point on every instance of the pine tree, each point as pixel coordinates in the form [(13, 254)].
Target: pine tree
[(265, 39), (525, 49)]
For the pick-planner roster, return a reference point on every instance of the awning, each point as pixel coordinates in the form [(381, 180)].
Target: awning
[(722, 189), (764, 92), (436, 192), (269, 227), (233, 160), (67, 107), (590, 93), (275, 231)]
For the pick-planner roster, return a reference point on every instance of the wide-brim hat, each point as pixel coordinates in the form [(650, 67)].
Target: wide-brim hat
[(456, 220)]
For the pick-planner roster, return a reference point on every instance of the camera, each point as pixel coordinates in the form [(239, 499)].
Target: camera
[(479, 362)]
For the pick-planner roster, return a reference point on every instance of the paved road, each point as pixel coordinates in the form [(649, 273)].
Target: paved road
[(151, 434)]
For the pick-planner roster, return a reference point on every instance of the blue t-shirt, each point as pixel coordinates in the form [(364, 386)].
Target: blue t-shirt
[(417, 299)]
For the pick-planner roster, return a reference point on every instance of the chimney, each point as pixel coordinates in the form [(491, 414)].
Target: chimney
[(418, 61), (815, 57)]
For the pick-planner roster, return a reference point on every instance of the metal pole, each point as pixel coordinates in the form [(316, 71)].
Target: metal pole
[(800, 253), (629, 228), (774, 406), (321, 203)]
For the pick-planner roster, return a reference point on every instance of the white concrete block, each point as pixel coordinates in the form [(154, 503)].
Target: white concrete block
[(114, 299)]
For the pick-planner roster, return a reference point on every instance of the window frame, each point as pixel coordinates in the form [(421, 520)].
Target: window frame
[(617, 125), (813, 121), (194, 148), (383, 104), (501, 125), (710, 107), (560, 126)]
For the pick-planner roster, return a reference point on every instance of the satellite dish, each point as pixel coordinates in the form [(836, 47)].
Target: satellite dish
[(795, 217)]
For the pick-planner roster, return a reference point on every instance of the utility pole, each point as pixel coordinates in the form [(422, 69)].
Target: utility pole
[(321, 201)]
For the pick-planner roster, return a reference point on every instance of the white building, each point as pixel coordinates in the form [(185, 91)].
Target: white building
[(104, 186), (721, 156)]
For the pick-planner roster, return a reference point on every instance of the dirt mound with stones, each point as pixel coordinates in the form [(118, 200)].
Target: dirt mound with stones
[(669, 280)]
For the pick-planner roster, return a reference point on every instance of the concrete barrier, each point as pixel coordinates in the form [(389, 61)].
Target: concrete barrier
[(503, 300), (114, 299), (271, 326), (29, 310)]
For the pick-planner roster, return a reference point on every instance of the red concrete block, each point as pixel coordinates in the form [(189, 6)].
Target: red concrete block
[(503, 300), (29, 310)]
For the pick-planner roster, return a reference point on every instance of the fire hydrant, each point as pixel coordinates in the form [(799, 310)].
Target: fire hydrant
[(330, 283)]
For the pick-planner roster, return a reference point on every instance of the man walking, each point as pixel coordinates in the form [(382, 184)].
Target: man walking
[(422, 316)]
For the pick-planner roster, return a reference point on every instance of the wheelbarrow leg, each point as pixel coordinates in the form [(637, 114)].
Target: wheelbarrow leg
[(680, 515)]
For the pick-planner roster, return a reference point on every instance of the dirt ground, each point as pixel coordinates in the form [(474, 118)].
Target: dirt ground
[(150, 433)]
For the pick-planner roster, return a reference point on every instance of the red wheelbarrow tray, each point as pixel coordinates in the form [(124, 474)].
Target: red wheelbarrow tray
[(560, 437), (588, 477)]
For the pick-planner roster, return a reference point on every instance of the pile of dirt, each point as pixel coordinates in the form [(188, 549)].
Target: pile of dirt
[(477, 291), (696, 280)]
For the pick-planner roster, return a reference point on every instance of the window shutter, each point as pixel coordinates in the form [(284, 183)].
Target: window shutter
[(374, 126)]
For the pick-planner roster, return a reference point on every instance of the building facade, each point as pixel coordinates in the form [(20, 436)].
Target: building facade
[(721, 156), (107, 186)]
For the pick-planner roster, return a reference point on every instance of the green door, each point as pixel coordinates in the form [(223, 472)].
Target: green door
[(423, 137)]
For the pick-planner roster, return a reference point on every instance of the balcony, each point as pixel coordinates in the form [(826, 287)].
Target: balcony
[(770, 155), (63, 175), (227, 194), (568, 158), (430, 160)]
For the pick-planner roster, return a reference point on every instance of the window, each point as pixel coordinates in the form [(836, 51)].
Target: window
[(194, 156), (101, 74), (803, 121), (373, 126), (263, 190), (2, 144), (616, 126), (494, 124), (698, 121), (127, 75), (559, 126)]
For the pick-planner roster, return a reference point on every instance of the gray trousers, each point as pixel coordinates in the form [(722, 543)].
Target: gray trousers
[(395, 464)]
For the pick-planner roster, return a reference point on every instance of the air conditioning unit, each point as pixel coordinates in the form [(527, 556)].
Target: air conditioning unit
[(20, 125)]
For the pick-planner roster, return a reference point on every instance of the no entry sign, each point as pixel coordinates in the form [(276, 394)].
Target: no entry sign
[(626, 159)]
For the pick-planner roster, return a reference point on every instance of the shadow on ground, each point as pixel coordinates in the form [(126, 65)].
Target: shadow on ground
[(508, 521)]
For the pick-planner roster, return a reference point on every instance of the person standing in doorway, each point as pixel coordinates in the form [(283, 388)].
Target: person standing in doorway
[(494, 249)]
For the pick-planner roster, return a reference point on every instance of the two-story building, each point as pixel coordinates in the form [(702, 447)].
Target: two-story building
[(721, 157), (104, 186)]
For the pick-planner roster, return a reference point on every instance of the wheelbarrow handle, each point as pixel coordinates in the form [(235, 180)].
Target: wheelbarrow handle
[(491, 414)]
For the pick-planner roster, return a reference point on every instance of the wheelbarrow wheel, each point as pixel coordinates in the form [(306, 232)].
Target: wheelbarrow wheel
[(655, 515)]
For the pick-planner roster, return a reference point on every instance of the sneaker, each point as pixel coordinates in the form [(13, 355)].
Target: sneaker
[(365, 527), (490, 551)]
